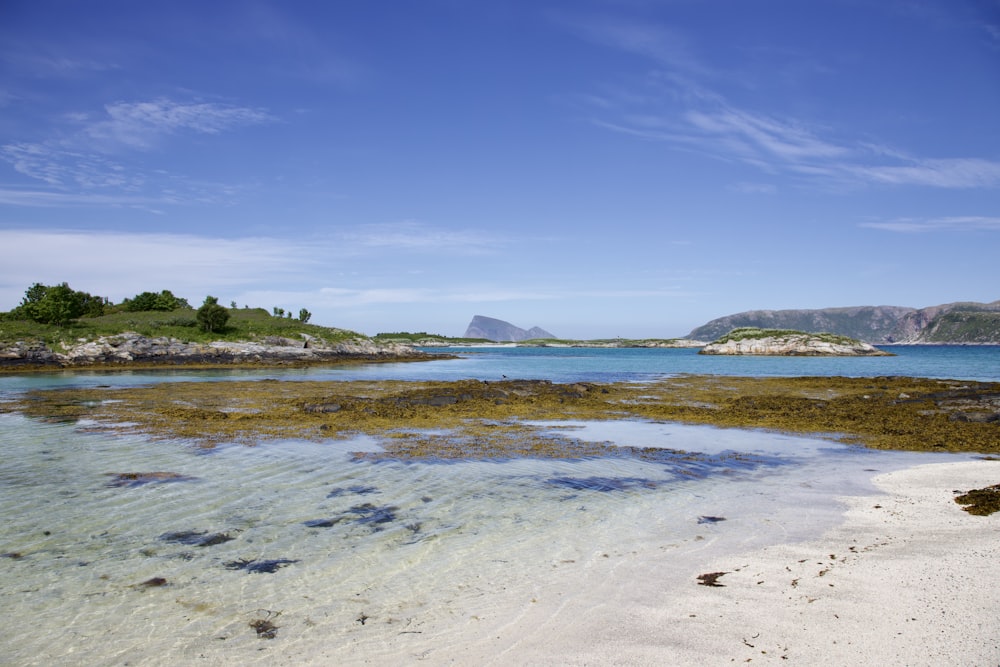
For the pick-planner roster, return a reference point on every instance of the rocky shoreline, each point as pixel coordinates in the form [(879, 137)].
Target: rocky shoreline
[(135, 350)]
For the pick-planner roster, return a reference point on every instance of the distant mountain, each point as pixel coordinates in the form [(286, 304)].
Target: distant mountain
[(962, 322), (500, 331)]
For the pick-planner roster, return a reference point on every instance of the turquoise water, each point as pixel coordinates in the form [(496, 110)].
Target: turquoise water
[(575, 365), (391, 563)]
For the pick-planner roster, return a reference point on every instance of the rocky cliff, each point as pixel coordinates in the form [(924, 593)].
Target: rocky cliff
[(967, 323), (500, 331)]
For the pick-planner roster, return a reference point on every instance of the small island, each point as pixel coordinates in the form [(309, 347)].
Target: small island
[(785, 342), (57, 327)]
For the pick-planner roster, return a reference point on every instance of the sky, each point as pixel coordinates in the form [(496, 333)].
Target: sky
[(597, 168)]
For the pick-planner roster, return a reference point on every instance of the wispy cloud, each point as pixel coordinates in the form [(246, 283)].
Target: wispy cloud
[(660, 43), (748, 188), (791, 146), (63, 168), (410, 235), (141, 125), (45, 62), (89, 163), (757, 135), (676, 105), (946, 173), (948, 223)]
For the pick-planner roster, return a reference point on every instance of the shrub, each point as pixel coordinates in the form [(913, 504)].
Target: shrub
[(147, 301), (211, 316)]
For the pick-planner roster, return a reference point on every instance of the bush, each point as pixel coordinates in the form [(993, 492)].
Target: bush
[(147, 301), (211, 316)]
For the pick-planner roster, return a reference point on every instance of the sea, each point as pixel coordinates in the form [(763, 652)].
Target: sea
[(292, 552)]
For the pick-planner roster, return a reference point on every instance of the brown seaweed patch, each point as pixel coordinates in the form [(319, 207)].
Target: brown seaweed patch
[(485, 420), (981, 502), (133, 479)]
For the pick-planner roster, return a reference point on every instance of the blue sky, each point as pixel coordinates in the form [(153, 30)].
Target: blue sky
[(597, 168)]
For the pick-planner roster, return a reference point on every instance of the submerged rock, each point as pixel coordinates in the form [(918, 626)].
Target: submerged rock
[(372, 514), (602, 484), (133, 479), (259, 566), (197, 539)]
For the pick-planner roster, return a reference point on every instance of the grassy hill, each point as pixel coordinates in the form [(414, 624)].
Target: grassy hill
[(246, 324)]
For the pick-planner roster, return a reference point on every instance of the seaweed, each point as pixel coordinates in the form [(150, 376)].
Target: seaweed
[(154, 582), (323, 523), (372, 514), (602, 484), (981, 502), (711, 579), (357, 489), (197, 539), (489, 420), (265, 627), (259, 566)]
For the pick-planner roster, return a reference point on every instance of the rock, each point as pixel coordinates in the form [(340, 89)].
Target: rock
[(775, 342), (130, 348)]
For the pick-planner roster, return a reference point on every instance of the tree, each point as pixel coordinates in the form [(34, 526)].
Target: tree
[(211, 316), (58, 304), (304, 315), (147, 301)]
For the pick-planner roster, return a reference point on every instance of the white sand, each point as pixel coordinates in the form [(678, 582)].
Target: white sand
[(908, 579)]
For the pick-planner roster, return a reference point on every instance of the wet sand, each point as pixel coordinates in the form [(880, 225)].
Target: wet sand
[(907, 579)]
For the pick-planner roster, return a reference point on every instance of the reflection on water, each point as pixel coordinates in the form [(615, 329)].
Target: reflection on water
[(120, 550)]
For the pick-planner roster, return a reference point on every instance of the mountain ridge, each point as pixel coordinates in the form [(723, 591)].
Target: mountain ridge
[(962, 322)]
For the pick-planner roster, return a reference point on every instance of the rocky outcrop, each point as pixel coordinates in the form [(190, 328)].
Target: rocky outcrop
[(764, 342), (500, 331), (964, 323), (133, 348)]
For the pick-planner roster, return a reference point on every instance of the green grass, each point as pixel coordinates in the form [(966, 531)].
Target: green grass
[(754, 333), (248, 324)]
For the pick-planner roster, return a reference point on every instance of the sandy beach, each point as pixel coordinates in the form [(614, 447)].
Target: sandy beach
[(909, 578)]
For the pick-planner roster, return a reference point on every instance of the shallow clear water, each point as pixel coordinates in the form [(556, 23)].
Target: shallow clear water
[(384, 563)]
